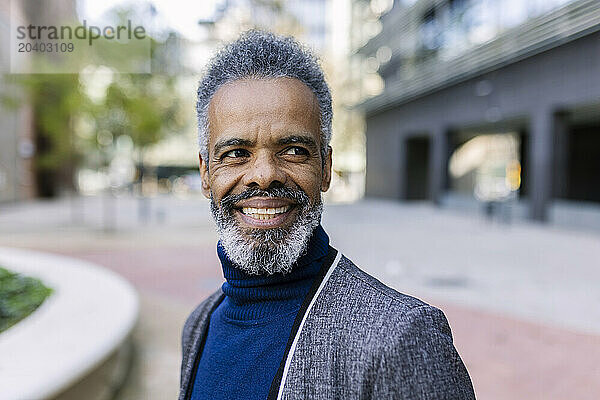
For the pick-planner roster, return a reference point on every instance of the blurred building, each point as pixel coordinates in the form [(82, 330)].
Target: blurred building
[(487, 100), (20, 144), (309, 20), (16, 129)]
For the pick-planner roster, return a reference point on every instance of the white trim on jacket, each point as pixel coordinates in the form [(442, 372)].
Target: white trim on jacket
[(288, 361)]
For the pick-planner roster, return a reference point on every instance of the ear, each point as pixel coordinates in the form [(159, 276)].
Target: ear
[(326, 181), (204, 177)]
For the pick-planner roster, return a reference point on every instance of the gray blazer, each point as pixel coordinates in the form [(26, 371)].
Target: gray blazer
[(354, 338)]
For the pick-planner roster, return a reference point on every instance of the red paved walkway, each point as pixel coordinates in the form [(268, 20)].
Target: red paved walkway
[(512, 359)]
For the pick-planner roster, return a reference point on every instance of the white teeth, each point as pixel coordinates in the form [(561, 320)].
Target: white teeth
[(264, 213)]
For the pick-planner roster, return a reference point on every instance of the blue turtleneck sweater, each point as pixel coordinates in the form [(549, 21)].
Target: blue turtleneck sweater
[(249, 329)]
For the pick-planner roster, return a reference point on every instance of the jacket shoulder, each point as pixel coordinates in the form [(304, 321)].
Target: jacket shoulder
[(376, 312), (410, 341), (385, 307), (362, 283)]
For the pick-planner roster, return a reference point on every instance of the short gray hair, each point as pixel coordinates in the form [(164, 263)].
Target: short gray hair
[(263, 55)]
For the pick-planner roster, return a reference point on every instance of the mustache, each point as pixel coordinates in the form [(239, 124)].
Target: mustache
[(296, 195)]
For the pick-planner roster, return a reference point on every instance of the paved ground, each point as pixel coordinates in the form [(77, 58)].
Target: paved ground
[(523, 300)]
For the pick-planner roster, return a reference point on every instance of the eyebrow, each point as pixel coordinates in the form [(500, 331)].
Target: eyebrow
[(232, 142), (292, 139), (300, 139)]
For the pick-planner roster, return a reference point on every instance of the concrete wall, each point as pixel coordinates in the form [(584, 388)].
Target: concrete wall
[(527, 94)]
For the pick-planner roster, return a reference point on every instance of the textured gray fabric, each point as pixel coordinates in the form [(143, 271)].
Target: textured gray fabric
[(361, 340), (364, 340)]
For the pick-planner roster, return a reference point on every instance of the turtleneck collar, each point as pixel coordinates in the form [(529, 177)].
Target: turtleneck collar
[(251, 297)]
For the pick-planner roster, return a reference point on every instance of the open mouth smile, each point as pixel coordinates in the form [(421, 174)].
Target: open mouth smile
[(265, 213)]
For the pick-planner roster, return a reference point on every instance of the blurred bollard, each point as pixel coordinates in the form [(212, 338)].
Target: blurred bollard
[(109, 212), (488, 210), (144, 209), (77, 208), (500, 211), (161, 215)]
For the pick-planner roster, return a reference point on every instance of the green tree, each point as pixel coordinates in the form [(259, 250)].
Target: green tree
[(56, 99), (145, 107)]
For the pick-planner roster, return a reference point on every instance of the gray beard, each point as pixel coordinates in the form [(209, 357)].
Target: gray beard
[(258, 251)]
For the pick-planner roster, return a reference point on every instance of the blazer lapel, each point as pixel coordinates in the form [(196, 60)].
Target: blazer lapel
[(191, 355), (330, 262)]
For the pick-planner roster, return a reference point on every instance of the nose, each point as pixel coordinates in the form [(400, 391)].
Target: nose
[(264, 173)]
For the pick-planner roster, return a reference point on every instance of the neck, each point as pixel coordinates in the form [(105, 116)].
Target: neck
[(255, 296)]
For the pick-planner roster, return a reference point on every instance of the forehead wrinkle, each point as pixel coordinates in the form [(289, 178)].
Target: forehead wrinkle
[(230, 111)]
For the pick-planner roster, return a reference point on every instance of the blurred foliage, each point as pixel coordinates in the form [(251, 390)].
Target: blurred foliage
[(19, 296), (145, 107), (55, 99)]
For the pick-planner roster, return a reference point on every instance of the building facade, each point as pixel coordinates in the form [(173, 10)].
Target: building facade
[(20, 143), (480, 103)]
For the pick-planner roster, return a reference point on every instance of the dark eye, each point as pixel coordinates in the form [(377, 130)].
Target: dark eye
[(296, 151), (237, 153)]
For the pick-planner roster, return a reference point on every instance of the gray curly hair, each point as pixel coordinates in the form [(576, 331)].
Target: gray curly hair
[(263, 55)]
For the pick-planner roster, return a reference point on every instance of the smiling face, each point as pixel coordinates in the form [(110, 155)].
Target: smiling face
[(265, 170)]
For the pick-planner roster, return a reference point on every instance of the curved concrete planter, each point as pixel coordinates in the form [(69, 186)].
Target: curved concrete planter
[(80, 331)]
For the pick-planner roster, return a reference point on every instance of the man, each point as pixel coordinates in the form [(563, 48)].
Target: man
[(295, 319)]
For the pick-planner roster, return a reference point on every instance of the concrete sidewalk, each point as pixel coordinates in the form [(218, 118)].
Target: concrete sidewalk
[(523, 300), (529, 271)]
